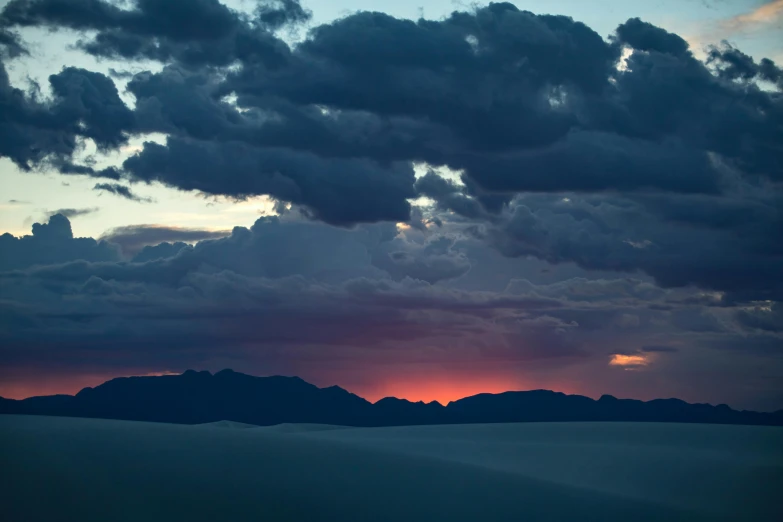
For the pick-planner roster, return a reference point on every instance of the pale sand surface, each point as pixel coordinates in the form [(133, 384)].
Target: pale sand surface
[(61, 469)]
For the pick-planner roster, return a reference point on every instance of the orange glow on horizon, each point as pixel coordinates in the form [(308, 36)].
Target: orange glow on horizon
[(619, 359), (37, 386), (444, 389)]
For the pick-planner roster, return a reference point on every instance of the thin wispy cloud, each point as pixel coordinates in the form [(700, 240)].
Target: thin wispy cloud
[(71, 213), (759, 21), (760, 18), (122, 191)]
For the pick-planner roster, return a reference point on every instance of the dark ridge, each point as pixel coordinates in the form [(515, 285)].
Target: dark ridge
[(198, 397)]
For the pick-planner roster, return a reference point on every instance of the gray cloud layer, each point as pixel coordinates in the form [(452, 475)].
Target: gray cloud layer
[(518, 102), (647, 180), (300, 292)]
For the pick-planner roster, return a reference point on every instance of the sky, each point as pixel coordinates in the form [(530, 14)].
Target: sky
[(420, 201)]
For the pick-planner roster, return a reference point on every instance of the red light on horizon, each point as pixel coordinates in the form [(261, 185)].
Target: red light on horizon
[(442, 391)]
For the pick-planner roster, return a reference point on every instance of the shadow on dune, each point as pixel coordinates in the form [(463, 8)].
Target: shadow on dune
[(60, 469)]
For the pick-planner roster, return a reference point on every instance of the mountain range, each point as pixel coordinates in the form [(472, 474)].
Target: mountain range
[(195, 397)]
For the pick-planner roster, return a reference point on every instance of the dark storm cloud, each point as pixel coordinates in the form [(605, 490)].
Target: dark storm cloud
[(193, 32), (51, 243), (186, 103), (277, 248), (767, 317), (713, 249), (517, 101), (497, 79), (733, 64), (564, 128), (647, 37), (120, 74), (71, 213), (340, 192), (149, 302), (132, 239), (67, 167), (665, 106), (275, 14), (227, 310), (120, 190), (595, 162), (664, 97), (658, 155), (429, 71), (233, 292), (433, 260), (84, 104), (91, 100), (630, 291), (159, 251), (288, 292), (79, 14), (11, 45), (27, 129), (639, 309), (448, 195)]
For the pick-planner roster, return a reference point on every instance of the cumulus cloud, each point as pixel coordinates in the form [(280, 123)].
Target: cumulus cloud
[(718, 237), (766, 316), (133, 238), (51, 243), (146, 304), (288, 293), (647, 37), (332, 126), (85, 104), (340, 192), (195, 32)]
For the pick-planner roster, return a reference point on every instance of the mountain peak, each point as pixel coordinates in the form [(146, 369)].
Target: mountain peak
[(192, 373), (197, 397)]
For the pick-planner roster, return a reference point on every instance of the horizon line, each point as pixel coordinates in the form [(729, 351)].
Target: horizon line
[(177, 374)]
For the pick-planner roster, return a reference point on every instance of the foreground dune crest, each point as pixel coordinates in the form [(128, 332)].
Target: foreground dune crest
[(64, 469)]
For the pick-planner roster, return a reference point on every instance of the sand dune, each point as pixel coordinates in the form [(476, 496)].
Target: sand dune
[(232, 425), (303, 428), (85, 469)]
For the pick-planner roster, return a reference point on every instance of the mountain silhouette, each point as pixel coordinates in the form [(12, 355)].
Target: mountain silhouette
[(199, 397)]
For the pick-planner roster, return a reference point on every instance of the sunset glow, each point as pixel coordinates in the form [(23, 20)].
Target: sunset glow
[(23, 386), (442, 391), (619, 359), (252, 191)]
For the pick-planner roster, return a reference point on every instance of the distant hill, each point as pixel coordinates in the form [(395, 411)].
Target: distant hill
[(200, 397)]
